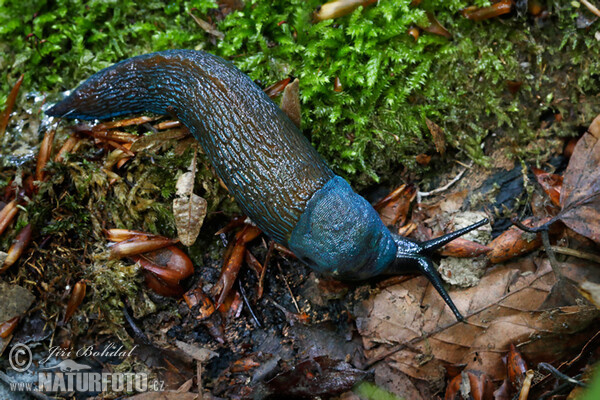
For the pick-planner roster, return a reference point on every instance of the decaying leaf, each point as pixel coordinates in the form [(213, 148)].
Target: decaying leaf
[(435, 27), (314, 377), (580, 195), (438, 136), (516, 367), (551, 183), (514, 242), (189, 215), (464, 248), (290, 102), (198, 353), (207, 27), (470, 384), (411, 327), (14, 301), (189, 209), (393, 208), (591, 291), (10, 103)]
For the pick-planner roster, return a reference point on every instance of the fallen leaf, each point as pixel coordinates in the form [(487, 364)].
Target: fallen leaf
[(10, 103), (207, 27), (159, 139), (435, 27), (438, 136), (189, 216), (189, 209), (464, 248), (515, 242), (14, 301), (319, 376), (393, 208), (410, 326), (551, 183), (470, 384), (516, 367), (580, 195), (290, 102), (198, 353), (591, 291)]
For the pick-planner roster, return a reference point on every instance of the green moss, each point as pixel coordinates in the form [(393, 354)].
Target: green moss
[(391, 83)]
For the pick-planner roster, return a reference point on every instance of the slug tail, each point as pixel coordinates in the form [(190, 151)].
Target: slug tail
[(132, 86)]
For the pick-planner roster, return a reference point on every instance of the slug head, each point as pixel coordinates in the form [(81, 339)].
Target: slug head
[(341, 235)]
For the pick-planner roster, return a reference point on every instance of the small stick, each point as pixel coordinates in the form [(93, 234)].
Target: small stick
[(576, 253), (559, 375), (443, 188), (261, 281), (243, 293), (591, 7), (288, 287)]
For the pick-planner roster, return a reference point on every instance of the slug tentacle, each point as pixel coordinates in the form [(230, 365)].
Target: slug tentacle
[(434, 244), (426, 267)]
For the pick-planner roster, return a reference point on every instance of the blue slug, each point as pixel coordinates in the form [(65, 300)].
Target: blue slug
[(276, 176)]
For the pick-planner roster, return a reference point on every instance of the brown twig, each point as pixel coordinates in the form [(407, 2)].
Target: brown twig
[(288, 287), (576, 253), (590, 7)]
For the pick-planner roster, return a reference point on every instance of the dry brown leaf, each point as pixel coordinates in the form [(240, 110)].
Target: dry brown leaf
[(591, 291), (198, 353), (290, 102), (470, 384), (393, 209), (580, 195), (438, 136), (516, 367), (514, 242), (189, 209), (159, 139), (435, 27), (14, 301), (464, 248), (551, 183), (207, 27), (10, 103), (410, 326)]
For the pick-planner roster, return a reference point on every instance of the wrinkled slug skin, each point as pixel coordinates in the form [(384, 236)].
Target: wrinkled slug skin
[(264, 160)]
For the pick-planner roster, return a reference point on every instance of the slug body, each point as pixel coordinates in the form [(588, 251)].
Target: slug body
[(276, 176)]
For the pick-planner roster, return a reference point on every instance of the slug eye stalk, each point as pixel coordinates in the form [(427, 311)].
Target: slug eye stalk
[(414, 257), (434, 244)]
